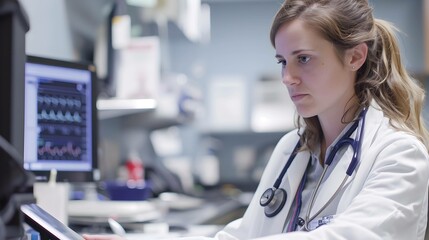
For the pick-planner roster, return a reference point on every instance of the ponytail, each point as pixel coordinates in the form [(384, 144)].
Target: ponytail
[(385, 79)]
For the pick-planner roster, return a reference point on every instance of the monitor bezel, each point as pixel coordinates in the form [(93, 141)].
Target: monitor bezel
[(74, 176)]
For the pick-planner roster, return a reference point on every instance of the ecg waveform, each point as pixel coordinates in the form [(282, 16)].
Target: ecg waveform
[(59, 115), (49, 151), (52, 129), (61, 118), (59, 101)]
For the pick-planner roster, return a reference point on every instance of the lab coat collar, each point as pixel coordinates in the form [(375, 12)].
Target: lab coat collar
[(373, 119)]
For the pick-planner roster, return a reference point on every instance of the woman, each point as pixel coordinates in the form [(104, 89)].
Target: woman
[(344, 74), (341, 66)]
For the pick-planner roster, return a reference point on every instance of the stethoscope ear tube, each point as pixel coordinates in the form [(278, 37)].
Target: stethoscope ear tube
[(357, 143), (286, 167)]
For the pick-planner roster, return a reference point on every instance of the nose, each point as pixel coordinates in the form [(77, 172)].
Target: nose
[(289, 77)]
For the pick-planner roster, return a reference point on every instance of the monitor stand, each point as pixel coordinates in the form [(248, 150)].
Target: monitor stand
[(53, 198)]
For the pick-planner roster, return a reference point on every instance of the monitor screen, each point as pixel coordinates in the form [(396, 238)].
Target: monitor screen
[(60, 119)]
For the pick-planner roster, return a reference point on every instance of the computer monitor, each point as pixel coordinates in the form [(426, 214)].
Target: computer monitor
[(60, 120)]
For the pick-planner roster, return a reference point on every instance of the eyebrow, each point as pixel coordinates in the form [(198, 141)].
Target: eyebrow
[(294, 52)]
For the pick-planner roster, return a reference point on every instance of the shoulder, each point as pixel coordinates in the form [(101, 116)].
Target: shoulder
[(388, 137), (382, 135), (392, 148), (389, 140)]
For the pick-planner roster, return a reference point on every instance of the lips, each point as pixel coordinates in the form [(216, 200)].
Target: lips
[(297, 97)]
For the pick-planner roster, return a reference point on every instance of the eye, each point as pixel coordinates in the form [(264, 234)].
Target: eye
[(282, 62), (303, 59)]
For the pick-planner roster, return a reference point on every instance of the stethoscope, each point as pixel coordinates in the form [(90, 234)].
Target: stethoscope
[(274, 199)]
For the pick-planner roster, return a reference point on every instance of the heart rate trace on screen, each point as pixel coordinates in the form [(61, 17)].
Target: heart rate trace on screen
[(60, 119)]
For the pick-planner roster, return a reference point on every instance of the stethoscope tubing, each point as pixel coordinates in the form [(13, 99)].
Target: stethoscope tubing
[(288, 163), (356, 143)]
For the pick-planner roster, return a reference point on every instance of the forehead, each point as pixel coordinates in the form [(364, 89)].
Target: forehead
[(297, 35)]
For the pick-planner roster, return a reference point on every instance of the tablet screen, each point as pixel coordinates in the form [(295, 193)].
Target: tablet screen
[(46, 224)]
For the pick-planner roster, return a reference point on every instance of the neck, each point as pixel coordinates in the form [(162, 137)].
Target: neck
[(334, 122)]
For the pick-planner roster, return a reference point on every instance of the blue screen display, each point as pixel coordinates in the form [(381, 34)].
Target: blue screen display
[(58, 118)]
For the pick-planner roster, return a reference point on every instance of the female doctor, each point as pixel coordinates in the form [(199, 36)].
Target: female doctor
[(357, 166)]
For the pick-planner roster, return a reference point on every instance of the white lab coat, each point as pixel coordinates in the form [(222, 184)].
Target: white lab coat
[(386, 198)]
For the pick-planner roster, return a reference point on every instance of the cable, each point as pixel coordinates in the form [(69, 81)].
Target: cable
[(10, 149)]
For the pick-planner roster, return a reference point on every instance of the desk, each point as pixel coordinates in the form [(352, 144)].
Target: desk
[(97, 212), (204, 220), (219, 212)]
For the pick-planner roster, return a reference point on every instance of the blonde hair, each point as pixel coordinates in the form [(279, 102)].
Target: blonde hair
[(383, 77)]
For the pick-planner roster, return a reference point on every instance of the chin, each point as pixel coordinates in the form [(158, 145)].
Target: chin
[(305, 112)]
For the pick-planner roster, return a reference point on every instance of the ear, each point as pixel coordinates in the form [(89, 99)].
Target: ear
[(356, 56)]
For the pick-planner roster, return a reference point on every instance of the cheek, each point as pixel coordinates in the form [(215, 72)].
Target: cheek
[(315, 77), (322, 81)]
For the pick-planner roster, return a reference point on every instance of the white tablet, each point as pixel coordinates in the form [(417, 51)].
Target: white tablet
[(46, 224)]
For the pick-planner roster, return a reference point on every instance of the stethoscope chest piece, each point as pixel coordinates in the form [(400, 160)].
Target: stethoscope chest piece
[(273, 201)]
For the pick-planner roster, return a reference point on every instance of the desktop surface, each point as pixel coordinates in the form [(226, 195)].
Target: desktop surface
[(206, 217)]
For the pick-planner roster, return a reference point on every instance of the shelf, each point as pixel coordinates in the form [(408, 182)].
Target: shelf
[(243, 134), (146, 113), (154, 120), (110, 108)]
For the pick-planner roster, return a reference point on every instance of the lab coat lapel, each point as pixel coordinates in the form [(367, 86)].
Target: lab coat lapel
[(333, 181), (275, 225), (296, 172), (294, 175)]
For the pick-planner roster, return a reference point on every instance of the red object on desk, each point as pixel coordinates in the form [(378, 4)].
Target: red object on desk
[(135, 170)]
